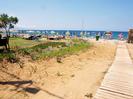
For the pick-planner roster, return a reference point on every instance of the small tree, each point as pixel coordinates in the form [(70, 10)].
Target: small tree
[(7, 23)]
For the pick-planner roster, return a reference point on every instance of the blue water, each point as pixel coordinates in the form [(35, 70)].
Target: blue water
[(73, 33)]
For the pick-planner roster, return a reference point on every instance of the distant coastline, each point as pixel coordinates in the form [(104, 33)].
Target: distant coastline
[(85, 33)]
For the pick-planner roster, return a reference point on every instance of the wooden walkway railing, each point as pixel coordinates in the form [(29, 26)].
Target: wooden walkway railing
[(118, 82)]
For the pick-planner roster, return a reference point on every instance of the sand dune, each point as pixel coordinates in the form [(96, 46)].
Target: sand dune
[(77, 77)]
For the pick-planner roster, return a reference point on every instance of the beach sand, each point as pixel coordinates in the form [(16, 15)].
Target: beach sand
[(77, 77)]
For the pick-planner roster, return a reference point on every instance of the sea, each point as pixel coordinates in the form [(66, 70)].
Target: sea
[(72, 33)]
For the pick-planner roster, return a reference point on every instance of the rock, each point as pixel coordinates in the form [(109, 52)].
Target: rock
[(59, 74), (89, 95), (59, 60), (72, 75)]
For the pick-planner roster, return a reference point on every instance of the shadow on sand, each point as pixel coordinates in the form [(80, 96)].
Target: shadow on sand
[(26, 85), (19, 84)]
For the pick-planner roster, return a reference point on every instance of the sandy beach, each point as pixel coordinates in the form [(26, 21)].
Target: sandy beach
[(77, 77)]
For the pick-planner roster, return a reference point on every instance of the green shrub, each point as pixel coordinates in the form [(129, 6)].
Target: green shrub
[(10, 56), (57, 49)]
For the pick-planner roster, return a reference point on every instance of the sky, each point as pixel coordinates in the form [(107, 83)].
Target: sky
[(71, 14)]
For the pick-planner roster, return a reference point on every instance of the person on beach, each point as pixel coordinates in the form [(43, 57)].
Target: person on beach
[(97, 36), (108, 35), (120, 36)]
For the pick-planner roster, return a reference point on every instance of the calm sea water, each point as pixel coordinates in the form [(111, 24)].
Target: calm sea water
[(74, 32)]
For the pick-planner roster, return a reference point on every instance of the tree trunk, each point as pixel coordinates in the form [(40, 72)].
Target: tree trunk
[(8, 37)]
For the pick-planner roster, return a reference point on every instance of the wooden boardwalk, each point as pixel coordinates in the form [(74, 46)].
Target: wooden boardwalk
[(118, 82)]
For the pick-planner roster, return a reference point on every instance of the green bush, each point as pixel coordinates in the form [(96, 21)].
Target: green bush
[(10, 56), (42, 50)]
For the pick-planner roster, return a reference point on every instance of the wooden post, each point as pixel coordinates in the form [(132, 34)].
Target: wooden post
[(130, 36)]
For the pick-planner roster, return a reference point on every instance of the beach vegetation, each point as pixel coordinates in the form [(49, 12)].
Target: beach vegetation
[(9, 56), (55, 49), (43, 50)]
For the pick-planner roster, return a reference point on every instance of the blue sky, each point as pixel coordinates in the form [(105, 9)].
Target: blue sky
[(71, 14)]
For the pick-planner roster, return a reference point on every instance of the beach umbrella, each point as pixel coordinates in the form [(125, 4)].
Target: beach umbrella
[(29, 31), (57, 33), (67, 33), (52, 32), (75, 33), (38, 31), (81, 34), (85, 33), (88, 33), (46, 32)]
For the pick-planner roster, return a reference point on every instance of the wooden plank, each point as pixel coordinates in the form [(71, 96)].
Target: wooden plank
[(118, 83), (117, 90), (121, 79), (121, 73), (103, 95), (109, 95), (126, 80)]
